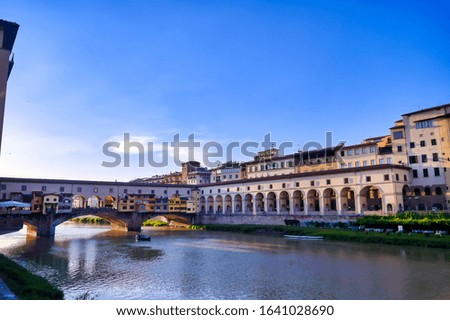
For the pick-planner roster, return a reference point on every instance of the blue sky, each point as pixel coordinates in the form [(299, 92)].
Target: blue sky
[(87, 72)]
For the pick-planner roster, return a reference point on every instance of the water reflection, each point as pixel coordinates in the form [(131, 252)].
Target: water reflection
[(202, 265)]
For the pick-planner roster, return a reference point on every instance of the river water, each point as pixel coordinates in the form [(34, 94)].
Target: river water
[(186, 264)]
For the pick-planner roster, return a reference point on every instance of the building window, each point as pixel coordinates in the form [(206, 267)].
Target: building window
[(399, 149), (424, 124), (365, 163), (386, 177), (210, 190), (125, 191), (424, 158), (405, 178), (381, 161), (342, 153), (350, 165), (389, 160), (364, 150), (189, 192), (397, 177), (345, 180), (417, 192), (203, 191), (24, 188), (412, 145), (433, 142), (283, 185), (44, 188), (437, 172), (373, 162), (237, 176), (435, 157), (248, 188), (438, 191), (61, 189), (427, 191), (422, 143), (312, 183), (368, 178), (218, 190), (398, 135), (372, 149), (237, 189), (165, 191), (425, 173), (271, 186), (328, 181), (350, 152), (413, 159), (415, 174), (357, 152), (259, 187), (297, 184)]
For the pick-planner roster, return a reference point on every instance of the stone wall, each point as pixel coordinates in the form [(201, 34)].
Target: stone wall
[(269, 219)]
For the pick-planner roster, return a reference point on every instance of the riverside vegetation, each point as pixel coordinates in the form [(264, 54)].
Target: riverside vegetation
[(428, 230), (24, 284)]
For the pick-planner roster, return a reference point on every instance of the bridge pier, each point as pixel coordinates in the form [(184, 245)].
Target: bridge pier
[(41, 226)]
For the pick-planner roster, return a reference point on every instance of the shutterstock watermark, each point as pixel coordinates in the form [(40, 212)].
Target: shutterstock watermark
[(212, 153)]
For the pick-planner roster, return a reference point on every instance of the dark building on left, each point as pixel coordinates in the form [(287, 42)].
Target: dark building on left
[(8, 32)]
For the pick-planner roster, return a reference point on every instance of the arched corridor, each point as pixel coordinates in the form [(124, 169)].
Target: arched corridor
[(371, 199)]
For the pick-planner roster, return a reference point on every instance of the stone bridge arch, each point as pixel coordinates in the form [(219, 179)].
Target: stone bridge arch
[(45, 225)]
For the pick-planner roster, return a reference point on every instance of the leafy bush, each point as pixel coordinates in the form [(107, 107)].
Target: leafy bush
[(155, 223), (409, 221)]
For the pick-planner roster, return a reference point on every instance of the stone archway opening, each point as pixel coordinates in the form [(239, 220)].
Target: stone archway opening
[(228, 204), (298, 201), (284, 202), (219, 204), (79, 202), (237, 203), (371, 200), (248, 203), (202, 204), (313, 201), (271, 202), (259, 202), (95, 202), (210, 204), (110, 202), (329, 197), (348, 202)]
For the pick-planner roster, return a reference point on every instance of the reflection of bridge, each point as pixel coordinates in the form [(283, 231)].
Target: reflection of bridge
[(44, 225)]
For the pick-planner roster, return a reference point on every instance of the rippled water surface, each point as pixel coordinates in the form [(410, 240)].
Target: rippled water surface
[(184, 264)]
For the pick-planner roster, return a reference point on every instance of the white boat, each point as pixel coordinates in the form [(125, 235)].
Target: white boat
[(288, 236)]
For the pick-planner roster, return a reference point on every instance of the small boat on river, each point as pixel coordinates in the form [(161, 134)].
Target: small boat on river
[(143, 237), (295, 237)]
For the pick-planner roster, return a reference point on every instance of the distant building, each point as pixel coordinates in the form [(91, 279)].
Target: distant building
[(170, 178), (228, 171), (8, 32)]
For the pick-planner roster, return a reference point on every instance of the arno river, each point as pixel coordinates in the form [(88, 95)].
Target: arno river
[(184, 264)]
